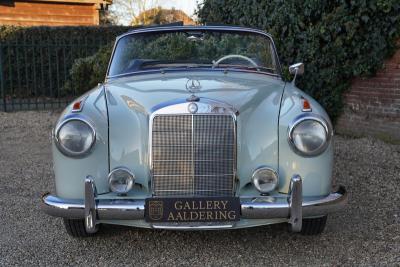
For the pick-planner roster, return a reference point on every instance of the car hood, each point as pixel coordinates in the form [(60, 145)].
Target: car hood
[(256, 97)]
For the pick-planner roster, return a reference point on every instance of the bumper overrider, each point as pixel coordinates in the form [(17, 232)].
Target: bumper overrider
[(294, 209)]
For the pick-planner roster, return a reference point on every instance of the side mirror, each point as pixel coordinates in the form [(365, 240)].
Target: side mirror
[(296, 69)]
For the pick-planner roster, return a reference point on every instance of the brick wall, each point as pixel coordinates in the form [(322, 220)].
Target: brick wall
[(372, 105)]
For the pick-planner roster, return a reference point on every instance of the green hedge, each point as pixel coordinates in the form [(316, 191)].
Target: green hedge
[(60, 35), (336, 39), (87, 72), (36, 61)]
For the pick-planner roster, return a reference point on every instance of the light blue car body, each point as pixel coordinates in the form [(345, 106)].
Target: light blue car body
[(120, 109)]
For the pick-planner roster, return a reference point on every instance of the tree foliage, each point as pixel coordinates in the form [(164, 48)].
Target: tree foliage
[(36, 61), (87, 72), (160, 16), (125, 11), (336, 39)]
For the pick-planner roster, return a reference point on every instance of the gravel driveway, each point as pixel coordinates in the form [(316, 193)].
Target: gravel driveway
[(366, 233)]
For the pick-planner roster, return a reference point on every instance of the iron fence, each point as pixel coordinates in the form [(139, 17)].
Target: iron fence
[(32, 74)]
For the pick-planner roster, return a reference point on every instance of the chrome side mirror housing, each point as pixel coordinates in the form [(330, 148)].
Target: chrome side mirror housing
[(296, 69)]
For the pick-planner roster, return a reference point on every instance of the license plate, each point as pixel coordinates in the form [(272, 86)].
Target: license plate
[(208, 209)]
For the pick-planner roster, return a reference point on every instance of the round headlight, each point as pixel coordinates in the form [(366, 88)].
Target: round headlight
[(75, 137), (265, 179), (309, 136), (121, 180)]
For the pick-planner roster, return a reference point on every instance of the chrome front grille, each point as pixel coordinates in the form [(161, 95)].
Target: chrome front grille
[(193, 155)]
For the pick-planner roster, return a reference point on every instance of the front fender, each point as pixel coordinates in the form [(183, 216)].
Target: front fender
[(70, 172), (316, 172)]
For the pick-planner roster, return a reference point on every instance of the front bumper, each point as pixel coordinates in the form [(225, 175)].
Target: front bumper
[(293, 208)]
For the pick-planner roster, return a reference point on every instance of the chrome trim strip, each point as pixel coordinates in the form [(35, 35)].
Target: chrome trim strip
[(210, 175), (225, 70), (200, 160), (205, 106), (187, 145), (191, 227), (315, 117), (193, 166), (204, 190), (194, 28), (199, 28)]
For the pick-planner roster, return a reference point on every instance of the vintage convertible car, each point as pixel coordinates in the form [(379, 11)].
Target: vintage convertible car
[(194, 128)]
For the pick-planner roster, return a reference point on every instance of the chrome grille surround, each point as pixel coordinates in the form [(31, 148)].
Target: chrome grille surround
[(193, 154)]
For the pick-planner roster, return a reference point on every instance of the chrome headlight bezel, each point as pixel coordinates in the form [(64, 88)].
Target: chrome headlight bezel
[(256, 183), (130, 180), (327, 126), (65, 151)]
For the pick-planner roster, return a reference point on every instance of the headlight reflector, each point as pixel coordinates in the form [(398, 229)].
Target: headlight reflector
[(309, 136), (265, 179), (121, 180), (75, 137)]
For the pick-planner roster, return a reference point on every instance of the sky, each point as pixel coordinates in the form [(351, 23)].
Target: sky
[(188, 6)]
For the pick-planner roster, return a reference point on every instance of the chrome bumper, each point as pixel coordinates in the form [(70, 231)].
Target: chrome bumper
[(294, 209)]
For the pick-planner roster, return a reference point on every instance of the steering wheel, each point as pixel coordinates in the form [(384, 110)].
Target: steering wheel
[(216, 63)]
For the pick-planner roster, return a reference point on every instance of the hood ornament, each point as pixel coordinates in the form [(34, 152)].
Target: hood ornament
[(193, 86)]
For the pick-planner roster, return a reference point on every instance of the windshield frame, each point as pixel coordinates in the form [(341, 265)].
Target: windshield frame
[(161, 29)]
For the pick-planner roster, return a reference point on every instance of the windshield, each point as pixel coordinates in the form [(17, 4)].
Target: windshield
[(193, 49)]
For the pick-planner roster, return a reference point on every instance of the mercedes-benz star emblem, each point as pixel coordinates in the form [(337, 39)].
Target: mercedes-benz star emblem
[(192, 108), (193, 85)]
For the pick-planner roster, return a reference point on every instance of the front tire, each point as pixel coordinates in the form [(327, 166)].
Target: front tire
[(76, 228), (314, 226)]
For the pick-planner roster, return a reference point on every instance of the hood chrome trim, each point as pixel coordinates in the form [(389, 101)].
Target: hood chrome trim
[(205, 106)]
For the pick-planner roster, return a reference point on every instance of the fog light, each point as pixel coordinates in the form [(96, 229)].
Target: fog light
[(265, 179), (121, 180)]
